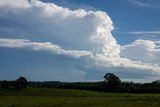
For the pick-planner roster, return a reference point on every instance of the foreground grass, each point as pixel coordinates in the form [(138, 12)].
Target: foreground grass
[(48, 97)]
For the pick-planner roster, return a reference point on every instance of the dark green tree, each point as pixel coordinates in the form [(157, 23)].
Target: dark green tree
[(17, 84), (4, 84), (23, 82), (20, 83), (112, 81)]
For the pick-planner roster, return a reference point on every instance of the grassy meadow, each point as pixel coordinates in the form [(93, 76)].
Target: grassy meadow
[(51, 97)]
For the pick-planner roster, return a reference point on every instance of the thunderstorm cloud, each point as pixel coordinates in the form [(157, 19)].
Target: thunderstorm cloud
[(44, 41)]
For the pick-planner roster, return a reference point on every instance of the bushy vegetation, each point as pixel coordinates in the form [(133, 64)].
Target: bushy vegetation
[(20, 83), (112, 83)]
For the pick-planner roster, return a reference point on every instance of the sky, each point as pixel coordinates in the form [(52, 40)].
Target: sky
[(80, 40)]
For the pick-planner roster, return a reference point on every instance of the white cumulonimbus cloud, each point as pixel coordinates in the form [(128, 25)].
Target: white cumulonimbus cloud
[(78, 33), (142, 50)]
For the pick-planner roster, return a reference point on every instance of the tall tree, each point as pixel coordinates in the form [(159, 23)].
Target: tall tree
[(112, 82), (23, 82), (20, 83)]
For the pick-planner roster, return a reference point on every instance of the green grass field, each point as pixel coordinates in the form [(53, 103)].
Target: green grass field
[(50, 97)]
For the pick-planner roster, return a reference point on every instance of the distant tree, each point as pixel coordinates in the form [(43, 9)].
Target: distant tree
[(23, 82), (17, 84), (4, 84), (155, 83), (112, 82), (110, 77), (20, 83)]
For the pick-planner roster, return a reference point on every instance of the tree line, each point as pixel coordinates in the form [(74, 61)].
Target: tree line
[(111, 83), (20, 83)]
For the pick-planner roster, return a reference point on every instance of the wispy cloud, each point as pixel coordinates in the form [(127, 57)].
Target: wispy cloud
[(151, 4), (145, 32), (139, 3)]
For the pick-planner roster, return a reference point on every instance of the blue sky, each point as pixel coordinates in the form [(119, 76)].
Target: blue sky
[(80, 40)]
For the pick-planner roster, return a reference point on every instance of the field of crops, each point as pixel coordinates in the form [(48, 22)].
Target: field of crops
[(49, 97)]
